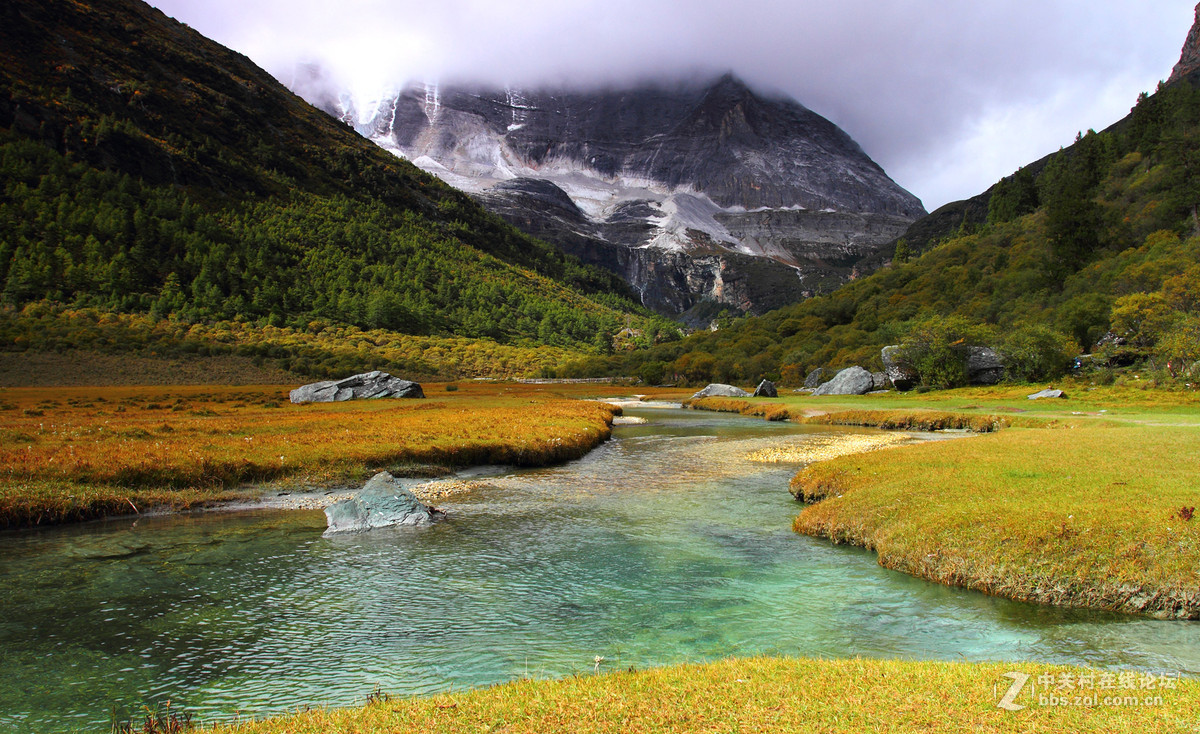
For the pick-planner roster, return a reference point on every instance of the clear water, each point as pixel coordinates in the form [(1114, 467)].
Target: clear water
[(662, 546)]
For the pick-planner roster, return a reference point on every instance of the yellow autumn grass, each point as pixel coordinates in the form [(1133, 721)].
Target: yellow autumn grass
[(761, 408), (909, 419), (77, 453), (1096, 516), (768, 695)]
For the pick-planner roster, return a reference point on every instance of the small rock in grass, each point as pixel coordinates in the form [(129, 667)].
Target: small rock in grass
[(815, 378), (364, 386), (718, 390), (1048, 394)]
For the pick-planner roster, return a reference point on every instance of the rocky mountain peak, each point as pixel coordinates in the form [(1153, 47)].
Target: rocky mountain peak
[(693, 190), (1189, 59), (729, 87)]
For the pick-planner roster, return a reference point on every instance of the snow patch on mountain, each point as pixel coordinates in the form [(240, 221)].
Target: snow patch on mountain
[(676, 187), (687, 217)]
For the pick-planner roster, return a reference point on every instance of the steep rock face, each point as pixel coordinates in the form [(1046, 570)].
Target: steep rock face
[(1189, 59), (669, 280), (684, 190)]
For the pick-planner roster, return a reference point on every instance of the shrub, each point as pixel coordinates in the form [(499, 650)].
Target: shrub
[(936, 348), (1105, 376), (1142, 318), (696, 367), (652, 373), (1033, 353), (1086, 318), (1179, 348)]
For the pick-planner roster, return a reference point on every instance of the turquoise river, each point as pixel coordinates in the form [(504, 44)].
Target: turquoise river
[(664, 545)]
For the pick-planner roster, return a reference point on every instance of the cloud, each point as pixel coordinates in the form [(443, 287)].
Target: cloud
[(946, 96)]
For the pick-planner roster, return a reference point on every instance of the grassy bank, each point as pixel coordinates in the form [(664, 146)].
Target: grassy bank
[(765, 409), (764, 694), (1096, 516), (888, 419), (1084, 502), (1087, 501), (71, 454), (913, 420)]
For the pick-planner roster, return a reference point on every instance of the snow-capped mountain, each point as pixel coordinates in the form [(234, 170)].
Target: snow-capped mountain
[(692, 191)]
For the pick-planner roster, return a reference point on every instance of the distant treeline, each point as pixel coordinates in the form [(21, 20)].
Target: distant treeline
[(78, 235)]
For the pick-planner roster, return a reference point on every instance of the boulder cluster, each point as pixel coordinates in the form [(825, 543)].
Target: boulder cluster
[(984, 367)]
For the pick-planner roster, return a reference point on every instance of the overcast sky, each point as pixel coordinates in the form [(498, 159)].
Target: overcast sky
[(946, 95)]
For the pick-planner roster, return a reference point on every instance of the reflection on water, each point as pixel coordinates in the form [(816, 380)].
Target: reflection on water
[(662, 546)]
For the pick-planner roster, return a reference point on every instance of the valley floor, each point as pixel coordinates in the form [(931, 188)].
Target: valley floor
[(1082, 501)]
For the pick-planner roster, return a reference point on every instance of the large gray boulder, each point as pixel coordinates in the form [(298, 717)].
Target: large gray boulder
[(899, 373), (879, 381), (381, 503), (850, 381), (359, 387), (815, 378), (984, 366), (766, 389), (718, 390)]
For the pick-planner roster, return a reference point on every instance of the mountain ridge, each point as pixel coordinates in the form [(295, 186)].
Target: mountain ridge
[(682, 171)]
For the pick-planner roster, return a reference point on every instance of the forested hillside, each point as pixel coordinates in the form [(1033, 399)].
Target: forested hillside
[(148, 170), (1101, 238)]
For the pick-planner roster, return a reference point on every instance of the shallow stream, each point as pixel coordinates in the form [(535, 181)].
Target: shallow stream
[(664, 545)]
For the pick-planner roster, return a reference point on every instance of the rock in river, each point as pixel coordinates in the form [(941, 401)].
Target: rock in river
[(850, 381), (381, 503), (717, 390), (358, 387)]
